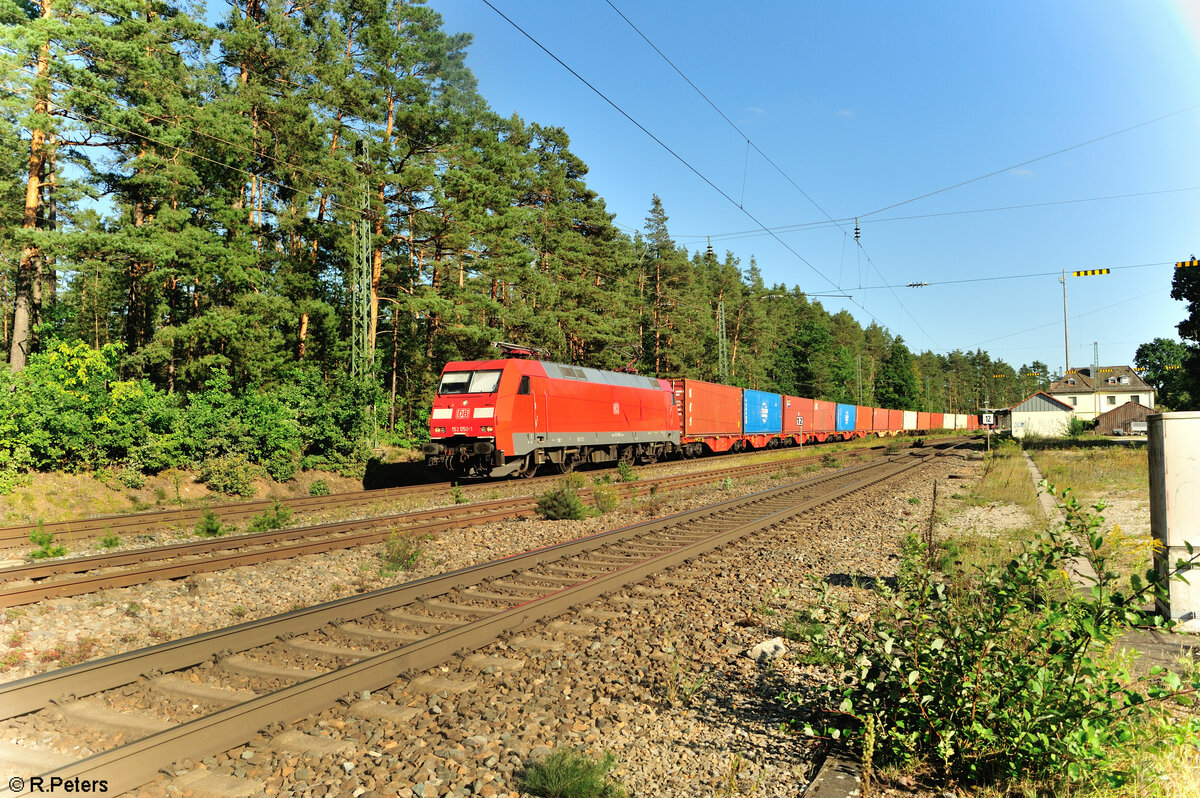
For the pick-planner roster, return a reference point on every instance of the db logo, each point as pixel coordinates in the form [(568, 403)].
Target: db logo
[(462, 412), (616, 408)]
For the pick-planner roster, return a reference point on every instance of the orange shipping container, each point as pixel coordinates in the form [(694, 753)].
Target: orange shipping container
[(709, 408), (798, 415)]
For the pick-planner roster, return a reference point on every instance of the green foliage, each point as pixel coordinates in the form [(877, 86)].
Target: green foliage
[(562, 503), (606, 498), (457, 494), (1077, 427), (1001, 676), (210, 526), (403, 552), (829, 461), (319, 487), (232, 475), (625, 472), (131, 478), (110, 540), (1162, 361), (566, 773), (275, 518), (46, 547)]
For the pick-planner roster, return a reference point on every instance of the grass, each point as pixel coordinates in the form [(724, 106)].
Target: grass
[(1094, 471), (1007, 480), (403, 553), (566, 773)]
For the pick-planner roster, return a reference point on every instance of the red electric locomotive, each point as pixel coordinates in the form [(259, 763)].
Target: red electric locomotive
[(510, 416)]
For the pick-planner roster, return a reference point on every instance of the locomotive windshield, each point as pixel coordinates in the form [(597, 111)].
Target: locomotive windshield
[(469, 382)]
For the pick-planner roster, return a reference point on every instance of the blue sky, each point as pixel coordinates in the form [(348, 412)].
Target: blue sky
[(864, 105)]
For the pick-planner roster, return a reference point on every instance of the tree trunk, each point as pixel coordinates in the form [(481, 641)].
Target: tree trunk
[(30, 266)]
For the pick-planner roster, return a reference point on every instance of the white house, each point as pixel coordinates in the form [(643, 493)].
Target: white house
[(1090, 394)]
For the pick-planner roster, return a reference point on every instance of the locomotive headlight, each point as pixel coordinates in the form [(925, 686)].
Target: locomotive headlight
[(439, 429), (485, 429)]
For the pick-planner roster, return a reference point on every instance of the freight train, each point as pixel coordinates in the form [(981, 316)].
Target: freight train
[(511, 416)]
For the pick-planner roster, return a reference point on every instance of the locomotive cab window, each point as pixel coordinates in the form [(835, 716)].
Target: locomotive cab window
[(523, 388), (469, 382)]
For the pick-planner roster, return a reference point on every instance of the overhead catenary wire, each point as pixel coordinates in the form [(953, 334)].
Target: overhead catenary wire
[(1057, 322), (667, 148), (995, 172), (1000, 277), (777, 168), (805, 226)]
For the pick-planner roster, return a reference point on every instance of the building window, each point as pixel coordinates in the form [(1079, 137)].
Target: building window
[(1074, 401), (1112, 400), (1071, 382), (1137, 400)]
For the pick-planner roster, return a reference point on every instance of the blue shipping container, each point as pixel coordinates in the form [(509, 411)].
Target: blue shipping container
[(762, 412), (845, 418)]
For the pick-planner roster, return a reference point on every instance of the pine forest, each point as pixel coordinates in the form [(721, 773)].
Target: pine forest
[(187, 205)]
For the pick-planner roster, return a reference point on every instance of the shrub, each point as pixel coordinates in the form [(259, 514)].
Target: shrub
[(232, 475), (210, 526), (275, 518), (562, 503), (457, 494), (131, 478), (110, 540), (46, 547), (570, 774), (402, 552), (319, 487), (606, 498), (829, 461), (1076, 427), (625, 472), (1002, 676)]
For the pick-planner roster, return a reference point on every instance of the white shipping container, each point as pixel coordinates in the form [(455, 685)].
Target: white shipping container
[(960, 420), (910, 420)]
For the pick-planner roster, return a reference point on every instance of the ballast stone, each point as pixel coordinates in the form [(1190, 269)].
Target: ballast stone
[(767, 650)]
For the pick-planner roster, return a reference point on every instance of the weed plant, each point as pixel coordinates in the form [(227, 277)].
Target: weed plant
[(457, 494), (46, 547), (625, 472), (606, 498), (1001, 676), (566, 773), (563, 503), (111, 540), (319, 487), (210, 526), (275, 518), (403, 553)]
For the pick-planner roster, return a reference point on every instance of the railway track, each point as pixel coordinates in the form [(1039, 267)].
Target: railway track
[(37, 581), (131, 524), (212, 692)]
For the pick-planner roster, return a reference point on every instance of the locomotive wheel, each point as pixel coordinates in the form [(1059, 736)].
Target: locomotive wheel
[(569, 461), (527, 469)]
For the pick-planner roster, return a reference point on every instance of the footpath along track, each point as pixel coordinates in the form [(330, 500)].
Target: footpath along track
[(132, 524), (363, 642), (74, 576)]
